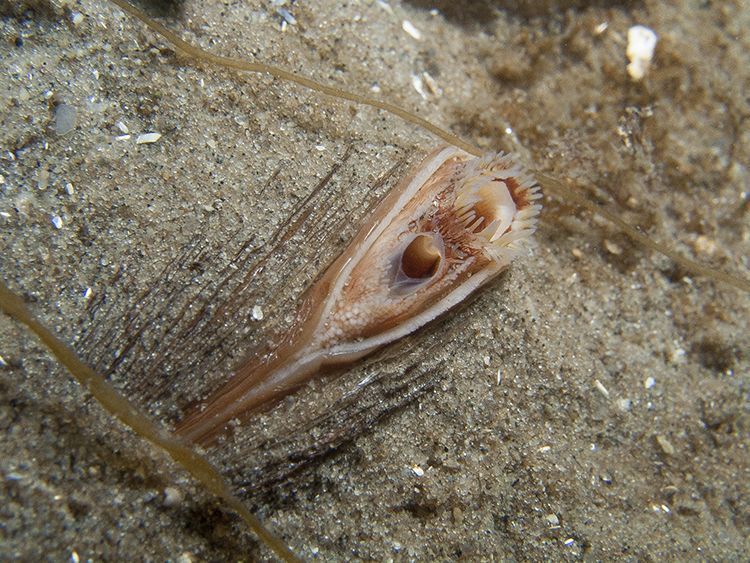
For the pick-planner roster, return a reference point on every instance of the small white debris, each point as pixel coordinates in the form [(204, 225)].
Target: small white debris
[(416, 81), (601, 388), (257, 313), (69, 189), (418, 471), (499, 375), (2, 179), (172, 497), (649, 382), (665, 444), (641, 44), (122, 137), (665, 508), (288, 17), (57, 221), (544, 449), (655, 508), (385, 5), (612, 247), (74, 557), (487, 361), (552, 520), (677, 356), (569, 542), (624, 404), (87, 293), (3, 363), (185, 557), (122, 127), (320, 148), (65, 119), (705, 245), (409, 28), (375, 88), (601, 28), (76, 18), (432, 84), (147, 138)]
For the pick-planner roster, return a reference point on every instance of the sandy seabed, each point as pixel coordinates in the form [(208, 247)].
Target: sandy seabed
[(593, 402)]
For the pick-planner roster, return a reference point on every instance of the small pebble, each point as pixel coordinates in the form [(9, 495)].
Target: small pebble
[(649, 382), (665, 444), (257, 313), (57, 221), (65, 119), (172, 497), (612, 248), (458, 516)]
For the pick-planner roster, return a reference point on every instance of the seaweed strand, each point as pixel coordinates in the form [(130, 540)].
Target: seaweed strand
[(118, 406)]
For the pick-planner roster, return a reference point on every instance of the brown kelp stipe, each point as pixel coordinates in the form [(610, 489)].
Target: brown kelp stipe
[(119, 407), (547, 183)]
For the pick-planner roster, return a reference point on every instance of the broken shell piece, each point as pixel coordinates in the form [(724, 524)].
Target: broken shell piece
[(641, 44), (447, 229), (147, 138)]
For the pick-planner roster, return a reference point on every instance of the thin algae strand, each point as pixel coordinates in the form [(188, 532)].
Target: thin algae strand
[(119, 407)]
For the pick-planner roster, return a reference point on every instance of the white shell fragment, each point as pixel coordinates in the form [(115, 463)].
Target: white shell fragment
[(641, 44), (409, 28), (147, 138), (601, 388), (257, 313)]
